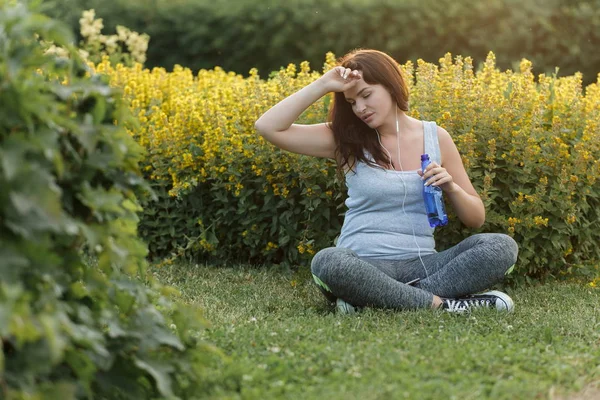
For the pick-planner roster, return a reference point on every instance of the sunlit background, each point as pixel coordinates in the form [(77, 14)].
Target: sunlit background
[(267, 34)]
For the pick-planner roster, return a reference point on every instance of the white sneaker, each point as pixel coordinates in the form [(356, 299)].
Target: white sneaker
[(493, 299), (345, 308)]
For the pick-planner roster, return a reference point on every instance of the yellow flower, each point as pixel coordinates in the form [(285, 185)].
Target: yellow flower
[(540, 221), (513, 221)]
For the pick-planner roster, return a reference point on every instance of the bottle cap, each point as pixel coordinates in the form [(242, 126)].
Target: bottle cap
[(424, 157)]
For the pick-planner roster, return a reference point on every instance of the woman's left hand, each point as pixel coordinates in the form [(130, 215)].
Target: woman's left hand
[(436, 175)]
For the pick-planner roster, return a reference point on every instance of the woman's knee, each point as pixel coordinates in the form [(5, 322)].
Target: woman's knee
[(500, 249), (323, 267), (505, 252), (329, 257), (510, 248)]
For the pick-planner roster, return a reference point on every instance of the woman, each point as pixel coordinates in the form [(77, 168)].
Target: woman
[(385, 256)]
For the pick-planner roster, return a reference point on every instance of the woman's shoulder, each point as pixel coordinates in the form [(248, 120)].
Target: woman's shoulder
[(443, 136), (447, 145), (442, 133), (415, 124)]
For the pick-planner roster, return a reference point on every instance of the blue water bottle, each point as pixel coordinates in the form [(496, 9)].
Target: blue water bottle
[(434, 203)]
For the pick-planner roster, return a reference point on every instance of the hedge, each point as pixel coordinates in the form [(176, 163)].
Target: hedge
[(268, 34), (530, 145)]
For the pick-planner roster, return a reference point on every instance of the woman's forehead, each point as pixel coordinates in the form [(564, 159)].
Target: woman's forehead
[(357, 89)]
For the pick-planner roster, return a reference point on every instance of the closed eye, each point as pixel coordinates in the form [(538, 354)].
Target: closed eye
[(364, 97)]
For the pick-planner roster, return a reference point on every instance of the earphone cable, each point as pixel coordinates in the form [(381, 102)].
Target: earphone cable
[(403, 186)]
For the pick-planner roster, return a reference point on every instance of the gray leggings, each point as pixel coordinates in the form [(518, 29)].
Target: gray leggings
[(471, 266)]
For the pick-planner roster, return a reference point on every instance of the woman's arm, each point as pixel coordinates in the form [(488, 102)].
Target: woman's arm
[(455, 182), (277, 124)]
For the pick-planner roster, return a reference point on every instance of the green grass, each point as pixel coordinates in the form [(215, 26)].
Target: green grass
[(285, 341)]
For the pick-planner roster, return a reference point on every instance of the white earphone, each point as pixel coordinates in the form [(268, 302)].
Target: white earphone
[(403, 183)]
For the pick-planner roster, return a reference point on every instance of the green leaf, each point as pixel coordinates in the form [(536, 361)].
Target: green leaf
[(99, 110), (53, 336), (82, 366), (124, 301), (58, 391), (160, 371), (11, 162), (101, 200)]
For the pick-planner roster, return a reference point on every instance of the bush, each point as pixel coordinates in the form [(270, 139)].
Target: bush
[(531, 148), (267, 34), (125, 47), (199, 141), (79, 317)]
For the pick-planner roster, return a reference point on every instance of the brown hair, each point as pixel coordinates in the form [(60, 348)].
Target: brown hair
[(352, 136)]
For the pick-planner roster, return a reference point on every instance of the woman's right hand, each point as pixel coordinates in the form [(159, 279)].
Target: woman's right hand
[(340, 79)]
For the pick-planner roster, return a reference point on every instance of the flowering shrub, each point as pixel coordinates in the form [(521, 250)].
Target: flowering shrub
[(213, 153), (530, 146), (531, 149), (126, 46)]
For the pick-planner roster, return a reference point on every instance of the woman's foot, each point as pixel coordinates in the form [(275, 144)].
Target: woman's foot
[(493, 299)]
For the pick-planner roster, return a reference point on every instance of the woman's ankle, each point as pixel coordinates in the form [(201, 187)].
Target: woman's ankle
[(436, 303)]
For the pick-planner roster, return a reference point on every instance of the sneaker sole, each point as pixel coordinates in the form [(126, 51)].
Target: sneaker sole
[(503, 301)]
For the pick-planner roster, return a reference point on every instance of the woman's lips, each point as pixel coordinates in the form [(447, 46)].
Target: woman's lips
[(367, 117)]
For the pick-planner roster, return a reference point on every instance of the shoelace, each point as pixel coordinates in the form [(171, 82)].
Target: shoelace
[(465, 304)]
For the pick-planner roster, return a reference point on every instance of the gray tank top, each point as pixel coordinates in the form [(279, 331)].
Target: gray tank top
[(375, 225)]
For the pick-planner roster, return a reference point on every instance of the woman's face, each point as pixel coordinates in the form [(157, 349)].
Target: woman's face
[(371, 103)]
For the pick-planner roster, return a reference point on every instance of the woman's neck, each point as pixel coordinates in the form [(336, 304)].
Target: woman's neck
[(388, 129)]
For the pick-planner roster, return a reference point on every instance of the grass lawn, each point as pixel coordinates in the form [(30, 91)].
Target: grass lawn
[(286, 341)]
